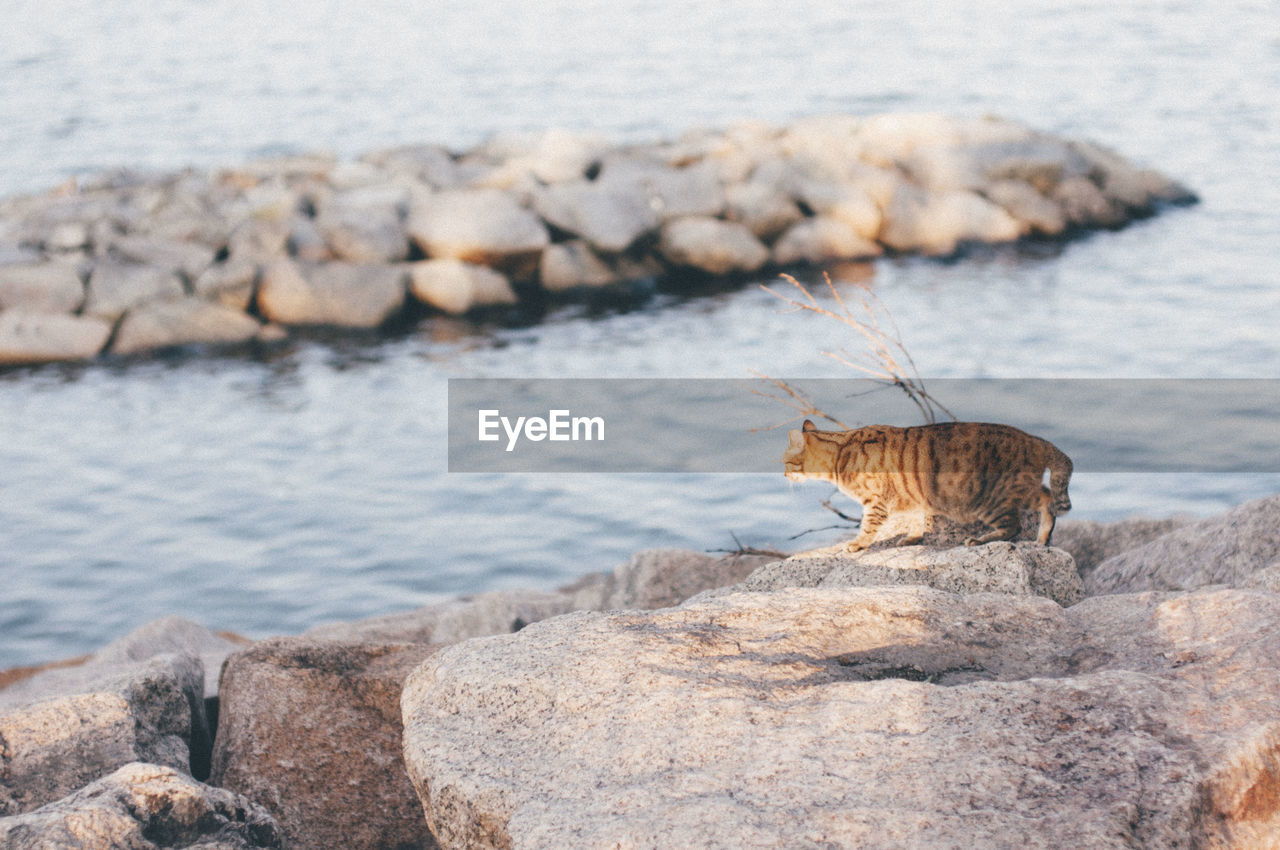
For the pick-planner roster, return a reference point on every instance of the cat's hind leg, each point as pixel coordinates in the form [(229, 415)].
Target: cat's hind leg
[(919, 528), (1047, 519), (1004, 527)]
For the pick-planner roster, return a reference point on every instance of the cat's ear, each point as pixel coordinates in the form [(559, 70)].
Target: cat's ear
[(809, 426)]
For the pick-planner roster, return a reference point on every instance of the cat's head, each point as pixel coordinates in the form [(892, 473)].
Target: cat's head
[(797, 460)]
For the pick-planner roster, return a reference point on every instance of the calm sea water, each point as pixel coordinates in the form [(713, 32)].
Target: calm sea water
[(269, 495)]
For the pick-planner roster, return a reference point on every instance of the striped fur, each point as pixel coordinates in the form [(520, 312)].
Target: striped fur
[(964, 471)]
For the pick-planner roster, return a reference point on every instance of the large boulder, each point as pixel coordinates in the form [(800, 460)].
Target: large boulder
[(659, 578), (49, 337), (609, 216), (1020, 569), (64, 728), (1090, 542), (937, 223), (1225, 549), (456, 287), (568, 265), (184, 321), (483, 226), (144, 807), (869, 717), (822, 239), (311, 729), (343, 294), (114, 287), (711, 245), (230, 283), (41, 287), (185, 258), (494, 613)]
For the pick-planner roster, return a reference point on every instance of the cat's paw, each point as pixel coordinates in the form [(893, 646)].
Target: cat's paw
[(854, 546), (971, 541)]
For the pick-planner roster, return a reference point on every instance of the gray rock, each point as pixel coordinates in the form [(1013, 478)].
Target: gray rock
[(175, 635), (306, 243), (868, 717), (428, 164), (42, 287), (659, 578), (1084, 205), (260, 239), (116, 287), (609, 216), (455, 286), (66, 727), (936, 223), (822, 239), (711, 245), (357, 296), (765, 209), (231, 283), (187, 259), (1225, 549), (483, 226), (671, 193), (567, 265), (144, 807), (49, 337), (455, 620), (1019, 569), (551, 156), (851, 205), (1021, 200), (311, 729), (361, 227), (1091, 543), (185, 321)]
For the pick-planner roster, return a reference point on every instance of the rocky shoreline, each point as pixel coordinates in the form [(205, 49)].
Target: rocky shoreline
[(1120, 689), (126, 263)]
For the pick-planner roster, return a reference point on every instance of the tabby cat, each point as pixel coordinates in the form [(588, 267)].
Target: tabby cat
[(961, 470)]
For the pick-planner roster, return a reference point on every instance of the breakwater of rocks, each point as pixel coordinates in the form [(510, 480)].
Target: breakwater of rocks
[(129, 263)]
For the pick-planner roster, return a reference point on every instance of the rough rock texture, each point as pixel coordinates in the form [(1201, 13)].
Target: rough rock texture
[(1224, 549), (143, 807), (66, 727), (458, 619), (455, 287), (357, 296), (711, 245), (1091, 543), (48, 337), (184, 321), (659, 578), (48, 287), (311, 730), (868, 717), (1020, 569)]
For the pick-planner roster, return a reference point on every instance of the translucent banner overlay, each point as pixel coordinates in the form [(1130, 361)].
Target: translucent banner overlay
[(738, 426)]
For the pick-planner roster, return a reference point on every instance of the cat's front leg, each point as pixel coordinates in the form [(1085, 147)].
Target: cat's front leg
[(873, 516)]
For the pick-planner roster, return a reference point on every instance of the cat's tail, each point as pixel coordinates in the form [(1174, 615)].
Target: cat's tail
[(1059, 476)]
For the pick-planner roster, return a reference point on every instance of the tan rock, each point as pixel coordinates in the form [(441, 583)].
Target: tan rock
[(937, 223), (659, 578), (1084, 204), (343, 294), (1019, 199), (765, 209), (48, 337), (463, 618), (187, 259), (870, 717), (822, 239), (711, 245), (41, 287), (456, 287), (144, 807), (185, 321), (311, 729), (567, 265)]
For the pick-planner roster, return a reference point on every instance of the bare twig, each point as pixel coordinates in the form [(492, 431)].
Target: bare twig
[(746, 550), (826, 503), (886, 361)]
